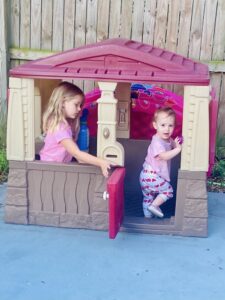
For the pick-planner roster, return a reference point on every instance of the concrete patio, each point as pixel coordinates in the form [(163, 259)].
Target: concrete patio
[(68, 264)]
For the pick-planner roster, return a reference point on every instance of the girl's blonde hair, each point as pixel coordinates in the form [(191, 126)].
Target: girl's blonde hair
[(54, 115), (168, 110)]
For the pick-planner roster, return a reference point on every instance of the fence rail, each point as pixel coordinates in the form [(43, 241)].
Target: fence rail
[(192, 28)]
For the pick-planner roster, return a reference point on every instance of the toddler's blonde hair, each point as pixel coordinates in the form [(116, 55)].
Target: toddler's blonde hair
[(167, 110), (54, 115)]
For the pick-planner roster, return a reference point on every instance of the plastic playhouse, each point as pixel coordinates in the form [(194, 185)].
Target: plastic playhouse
[(119, 113)]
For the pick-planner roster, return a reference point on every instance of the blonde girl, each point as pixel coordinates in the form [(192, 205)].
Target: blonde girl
[(61, 127)]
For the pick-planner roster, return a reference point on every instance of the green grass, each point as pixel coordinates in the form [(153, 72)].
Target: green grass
[(4, 167), (217, 180)]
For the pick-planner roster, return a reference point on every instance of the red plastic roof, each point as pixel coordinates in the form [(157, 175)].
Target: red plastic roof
[(117, 60)]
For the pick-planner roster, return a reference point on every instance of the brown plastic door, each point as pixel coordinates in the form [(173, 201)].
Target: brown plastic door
[(115, 188)]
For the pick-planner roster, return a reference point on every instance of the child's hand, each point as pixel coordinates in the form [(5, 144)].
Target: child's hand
[(178, 141), (105, 167)]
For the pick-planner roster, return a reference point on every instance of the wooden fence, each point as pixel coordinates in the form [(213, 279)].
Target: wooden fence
[(192, 28)]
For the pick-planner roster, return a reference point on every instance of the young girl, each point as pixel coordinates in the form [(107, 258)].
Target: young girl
[(155, 175), (61, 126)]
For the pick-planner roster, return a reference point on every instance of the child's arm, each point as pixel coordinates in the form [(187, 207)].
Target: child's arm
[(167, 155), (73, 149)]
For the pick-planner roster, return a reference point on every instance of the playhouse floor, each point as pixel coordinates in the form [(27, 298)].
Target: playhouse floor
[(53, 263)]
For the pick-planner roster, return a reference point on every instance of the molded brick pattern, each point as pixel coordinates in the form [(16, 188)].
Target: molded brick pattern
[(44, 218), (16, 196), (100, 221), (195, 227), (16, 214), (76, 221), (17, 178), (196, 189), (16, 199), (196, 208)]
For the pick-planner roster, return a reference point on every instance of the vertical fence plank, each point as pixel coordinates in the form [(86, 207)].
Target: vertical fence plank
[(114, 19), (80, 24), (172, 26), (215, 81), (208, 30), (161, 23), (137, 20), (126, 17), (35, 37), (91, 21), (221, 114), (80, 29), (46, 25), (14, 63), (91, 34), (14, 23), (149, 21), (69, 24), (3, 60), (196, 29), (57, 38), (184, 27), (219, 36), (103, 20), (25, 24)]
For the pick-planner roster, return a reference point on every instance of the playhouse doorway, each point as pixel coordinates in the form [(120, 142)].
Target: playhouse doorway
[(135, 152)]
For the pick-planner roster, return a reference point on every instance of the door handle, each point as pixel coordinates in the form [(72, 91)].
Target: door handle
[(105, 195)]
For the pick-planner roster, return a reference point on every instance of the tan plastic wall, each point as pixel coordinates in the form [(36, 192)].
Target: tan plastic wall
[(42, 91), (20, 123), (37, 112), (122, 93), (107, 146), (46, 87), (195, 150)]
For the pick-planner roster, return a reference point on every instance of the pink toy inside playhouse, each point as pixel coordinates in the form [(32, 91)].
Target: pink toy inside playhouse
[(119, 120), (145, 99)]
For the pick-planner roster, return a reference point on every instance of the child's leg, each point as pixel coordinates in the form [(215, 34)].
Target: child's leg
[(165, 191), (146, 202), (158, 201), (148, 194)]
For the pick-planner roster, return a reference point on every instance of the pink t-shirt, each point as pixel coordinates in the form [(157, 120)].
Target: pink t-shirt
[(157, 146), (53, 150)]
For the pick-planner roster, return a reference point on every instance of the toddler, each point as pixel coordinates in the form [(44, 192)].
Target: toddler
[(61, 124), (155, 175)]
